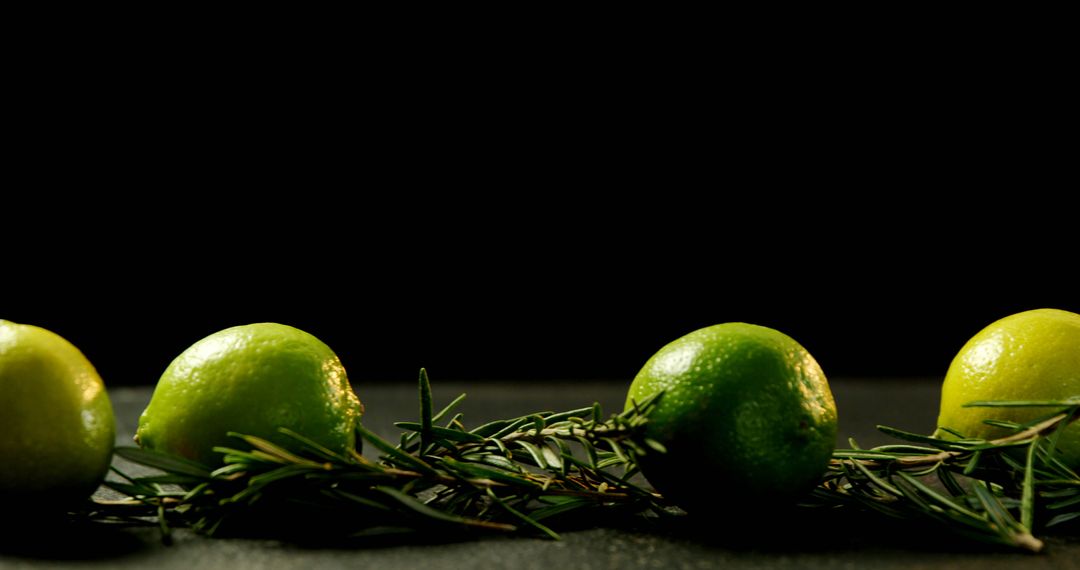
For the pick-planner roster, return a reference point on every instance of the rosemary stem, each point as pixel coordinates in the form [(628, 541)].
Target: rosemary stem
[(1041, 428), (1028, 542), (615, 433)]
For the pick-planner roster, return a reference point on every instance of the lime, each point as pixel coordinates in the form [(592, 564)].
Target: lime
[(1033, 355), (251, 379), (56, 422), (744, 408)]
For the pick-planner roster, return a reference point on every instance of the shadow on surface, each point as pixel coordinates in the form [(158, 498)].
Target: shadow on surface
[(780, 530), (388, 539), (58, 539), (792, 531), (811, 530)]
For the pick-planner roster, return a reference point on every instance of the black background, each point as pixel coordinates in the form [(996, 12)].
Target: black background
[(535, 215), (560, 294)]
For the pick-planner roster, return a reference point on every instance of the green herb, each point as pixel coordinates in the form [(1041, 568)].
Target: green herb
[(998, 491), (503, 476), (527, 474)]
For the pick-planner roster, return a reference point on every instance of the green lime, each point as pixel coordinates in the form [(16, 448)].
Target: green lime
[(251, 379), (745, 411), (1033, 355), (56, 422)]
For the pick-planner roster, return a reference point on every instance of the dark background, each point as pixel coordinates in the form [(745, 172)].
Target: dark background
[(537, 213), (494, 296)]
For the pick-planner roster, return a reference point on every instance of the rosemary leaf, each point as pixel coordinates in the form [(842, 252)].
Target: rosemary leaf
[(917, 438), (314, 447), (491, 428), (1062, 518), (393, 453), (1074, 500), (1023, 403), (449, 408), (164, 462), (425, 411), (441, 432), (522, 516), (561, 508), (564, 416), (434, 514), (534, 451)]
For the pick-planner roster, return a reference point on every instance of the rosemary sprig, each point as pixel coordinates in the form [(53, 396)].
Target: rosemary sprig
[(517, 474), (525, 474), (998, 491)]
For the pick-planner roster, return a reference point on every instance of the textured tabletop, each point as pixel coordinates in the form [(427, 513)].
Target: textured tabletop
[(804, 541)]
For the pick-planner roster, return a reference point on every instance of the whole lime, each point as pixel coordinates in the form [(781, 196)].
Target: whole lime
[(1033, 355), (746, 416), (56, 422), (252, 379)]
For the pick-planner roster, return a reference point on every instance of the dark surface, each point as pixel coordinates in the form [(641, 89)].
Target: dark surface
[(802, 540)]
